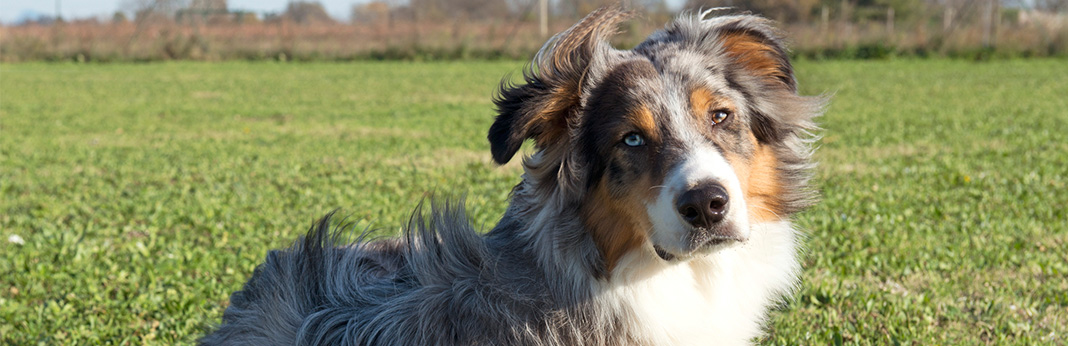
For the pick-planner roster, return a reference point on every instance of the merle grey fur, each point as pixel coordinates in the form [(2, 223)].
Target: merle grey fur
[(530, 280), (440, 284)]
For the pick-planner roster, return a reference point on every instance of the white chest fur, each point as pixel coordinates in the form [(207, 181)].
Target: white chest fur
[(718, 299)]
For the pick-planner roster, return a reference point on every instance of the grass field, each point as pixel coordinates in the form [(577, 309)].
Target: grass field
[(144, 194)]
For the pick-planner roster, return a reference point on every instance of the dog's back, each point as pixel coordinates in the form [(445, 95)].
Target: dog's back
[(275, 305), (439, 284)]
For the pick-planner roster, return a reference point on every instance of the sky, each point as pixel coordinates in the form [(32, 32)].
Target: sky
[(13, 10)]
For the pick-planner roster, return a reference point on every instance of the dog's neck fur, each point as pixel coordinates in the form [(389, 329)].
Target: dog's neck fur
[(646, 299), (556, 239)]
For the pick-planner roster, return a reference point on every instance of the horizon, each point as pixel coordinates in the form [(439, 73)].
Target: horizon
[(15, 12)]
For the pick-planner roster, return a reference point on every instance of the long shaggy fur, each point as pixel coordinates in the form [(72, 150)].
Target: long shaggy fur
[(439, 284), (539, 277)]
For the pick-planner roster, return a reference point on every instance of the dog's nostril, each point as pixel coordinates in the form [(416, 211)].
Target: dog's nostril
[(718, 203), (689, 213), (704, 206)]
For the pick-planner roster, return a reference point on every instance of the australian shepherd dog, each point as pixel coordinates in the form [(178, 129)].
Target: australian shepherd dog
[(655, 209)]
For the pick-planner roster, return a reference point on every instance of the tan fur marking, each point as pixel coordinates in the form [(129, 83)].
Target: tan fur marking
[(566, 68), (551, 121), (754, 55), (765, 186), (616, 224), (760, 182), (702, 101), (642, 118)]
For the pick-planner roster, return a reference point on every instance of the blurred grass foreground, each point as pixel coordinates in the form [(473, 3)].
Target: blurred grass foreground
[(147, 30)]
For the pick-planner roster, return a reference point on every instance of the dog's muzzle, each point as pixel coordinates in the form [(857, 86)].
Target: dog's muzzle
[(704, 208)]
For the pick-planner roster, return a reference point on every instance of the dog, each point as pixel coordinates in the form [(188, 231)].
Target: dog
[(655, 209)]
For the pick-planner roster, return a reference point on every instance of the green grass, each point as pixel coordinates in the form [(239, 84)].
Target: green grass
[(145, 194)]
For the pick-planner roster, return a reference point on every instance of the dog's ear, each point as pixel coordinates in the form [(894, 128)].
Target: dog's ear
[(753, 45), (542, 107)]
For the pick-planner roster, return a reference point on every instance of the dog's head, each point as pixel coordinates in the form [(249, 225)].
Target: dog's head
[(682, 143)]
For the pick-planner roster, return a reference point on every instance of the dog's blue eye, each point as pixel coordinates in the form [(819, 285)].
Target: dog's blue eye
[(633, 140), (718, 116)]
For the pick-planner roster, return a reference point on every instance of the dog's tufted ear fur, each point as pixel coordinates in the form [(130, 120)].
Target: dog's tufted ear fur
[(545, 104), (753, 45)]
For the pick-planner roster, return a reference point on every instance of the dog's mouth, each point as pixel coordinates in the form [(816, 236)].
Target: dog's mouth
[(667, 256), (701, 241)]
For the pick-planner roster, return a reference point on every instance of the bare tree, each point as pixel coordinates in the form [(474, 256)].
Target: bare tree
[(306, 12), (371, 12), (215, 6), (781, 10), (461, 9), (579, 8), (1058, 6), (154, 9)]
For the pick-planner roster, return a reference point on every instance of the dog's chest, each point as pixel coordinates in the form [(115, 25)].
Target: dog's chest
[(684, 304)]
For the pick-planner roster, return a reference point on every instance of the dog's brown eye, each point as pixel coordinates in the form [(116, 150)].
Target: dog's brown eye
[(719, 115)]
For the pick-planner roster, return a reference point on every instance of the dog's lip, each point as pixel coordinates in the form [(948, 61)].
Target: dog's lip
[(667, 256), (717, 240), (714, 240), (715, 236)]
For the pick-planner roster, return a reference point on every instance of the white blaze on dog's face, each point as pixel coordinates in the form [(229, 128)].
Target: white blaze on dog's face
[(675, 147), (693, 211), (672, 156)]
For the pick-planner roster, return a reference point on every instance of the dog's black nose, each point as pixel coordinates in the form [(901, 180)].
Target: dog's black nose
[(704, 205)]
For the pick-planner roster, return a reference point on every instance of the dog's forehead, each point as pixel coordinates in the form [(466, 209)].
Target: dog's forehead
[(687, 69), (662, 81), (633, 77), (631, 86), (668, 95)]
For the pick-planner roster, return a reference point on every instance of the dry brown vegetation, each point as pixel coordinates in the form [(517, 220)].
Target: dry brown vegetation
[(282, 40), (382, 32)]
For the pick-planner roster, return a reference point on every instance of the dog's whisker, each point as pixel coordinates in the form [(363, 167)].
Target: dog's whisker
[(773, 212)]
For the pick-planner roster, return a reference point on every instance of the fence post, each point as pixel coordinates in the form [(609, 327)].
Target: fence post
[(947, 19), (543, 17), (825, 17), (890, 22), (988, 25)]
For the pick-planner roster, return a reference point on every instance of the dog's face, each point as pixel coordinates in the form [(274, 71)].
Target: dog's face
[(678, 146)]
